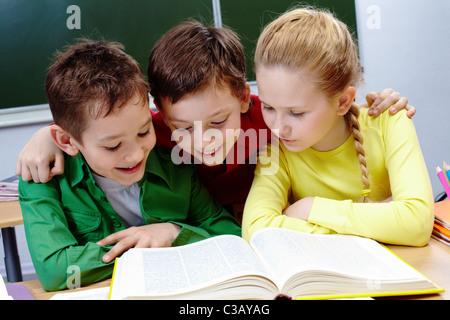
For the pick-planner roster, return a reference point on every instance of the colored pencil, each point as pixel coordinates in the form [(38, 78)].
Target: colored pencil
[(444, 182), (447, 171)]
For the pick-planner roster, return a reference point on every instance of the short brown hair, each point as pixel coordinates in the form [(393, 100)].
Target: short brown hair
[(91, 79), (191, 57)]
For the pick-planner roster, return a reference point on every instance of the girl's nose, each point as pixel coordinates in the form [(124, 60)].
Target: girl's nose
[(282, 127)]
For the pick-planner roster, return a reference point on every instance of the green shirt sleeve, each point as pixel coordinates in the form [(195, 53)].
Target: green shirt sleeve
[(57, 254)]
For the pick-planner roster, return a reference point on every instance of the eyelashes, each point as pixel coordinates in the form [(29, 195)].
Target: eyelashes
[(116, 147), (292, 113)]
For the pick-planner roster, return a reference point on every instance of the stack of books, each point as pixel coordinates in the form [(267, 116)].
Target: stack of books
[(9, 189), (441, 228)]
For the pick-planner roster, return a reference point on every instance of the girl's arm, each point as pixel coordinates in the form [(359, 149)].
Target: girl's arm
[(408, 218), (268, 197)]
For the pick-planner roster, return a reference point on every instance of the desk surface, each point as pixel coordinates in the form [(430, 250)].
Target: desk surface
[(10, 214), (433, 261), (40, 294)]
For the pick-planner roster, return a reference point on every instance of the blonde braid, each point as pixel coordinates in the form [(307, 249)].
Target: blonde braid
[(353, 123)]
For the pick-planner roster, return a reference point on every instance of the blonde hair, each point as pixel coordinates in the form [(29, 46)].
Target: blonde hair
[(316, 41)]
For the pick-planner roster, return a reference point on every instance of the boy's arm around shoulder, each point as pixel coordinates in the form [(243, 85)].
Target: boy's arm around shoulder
[(54, 250)]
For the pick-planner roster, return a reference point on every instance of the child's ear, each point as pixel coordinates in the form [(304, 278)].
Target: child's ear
[(245, 103), (63, 140), (345, 100)]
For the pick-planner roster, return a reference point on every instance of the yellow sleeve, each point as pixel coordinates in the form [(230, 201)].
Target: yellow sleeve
[(408, 219), (269, 196)]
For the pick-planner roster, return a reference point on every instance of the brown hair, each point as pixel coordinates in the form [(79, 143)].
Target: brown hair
[(91, 79), (191, 57), (316, 41)]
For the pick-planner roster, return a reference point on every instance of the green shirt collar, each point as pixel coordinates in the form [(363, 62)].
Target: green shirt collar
[(155, 165), (77, 168)]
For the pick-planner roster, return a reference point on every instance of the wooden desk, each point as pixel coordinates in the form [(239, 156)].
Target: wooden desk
[(40, 294), (433, 261), (10, 216)]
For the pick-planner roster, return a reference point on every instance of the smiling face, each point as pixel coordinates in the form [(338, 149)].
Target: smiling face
[(117, 146), (301, 114), (206, 124)]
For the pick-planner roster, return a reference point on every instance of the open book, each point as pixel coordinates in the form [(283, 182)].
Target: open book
[(277, 262)]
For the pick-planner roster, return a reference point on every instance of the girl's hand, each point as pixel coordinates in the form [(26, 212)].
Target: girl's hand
[(300, 209), (385, 99), (40, 159), (149, 236)]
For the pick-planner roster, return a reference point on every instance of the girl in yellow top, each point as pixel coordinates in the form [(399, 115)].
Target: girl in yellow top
[(336, 170)]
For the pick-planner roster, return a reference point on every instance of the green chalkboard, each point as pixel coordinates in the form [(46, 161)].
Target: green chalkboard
[(249, 17), (32, 30)]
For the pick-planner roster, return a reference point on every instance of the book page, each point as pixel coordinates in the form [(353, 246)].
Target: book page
[(180, 269), (347, 255), (88, 294)]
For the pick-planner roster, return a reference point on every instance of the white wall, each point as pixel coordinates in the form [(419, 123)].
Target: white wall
[(405, 45)]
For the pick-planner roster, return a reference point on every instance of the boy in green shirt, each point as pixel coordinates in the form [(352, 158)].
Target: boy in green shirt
[(118, 191)]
